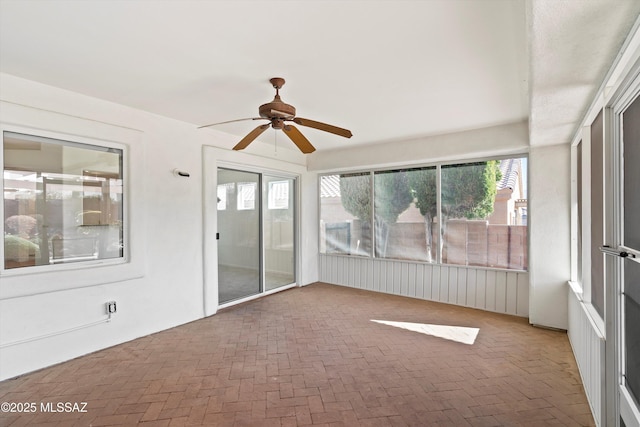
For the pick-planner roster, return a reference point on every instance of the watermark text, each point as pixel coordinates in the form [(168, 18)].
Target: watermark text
[(49, 407)]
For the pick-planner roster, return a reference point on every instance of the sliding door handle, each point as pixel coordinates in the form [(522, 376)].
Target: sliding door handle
[(608, 250)]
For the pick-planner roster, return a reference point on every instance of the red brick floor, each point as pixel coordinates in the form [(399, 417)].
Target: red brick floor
[(313, 356)]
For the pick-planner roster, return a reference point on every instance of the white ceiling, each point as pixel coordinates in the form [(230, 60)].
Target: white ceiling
[(387, 70)]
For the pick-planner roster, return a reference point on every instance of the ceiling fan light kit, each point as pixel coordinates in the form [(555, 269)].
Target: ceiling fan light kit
[(279, 112)]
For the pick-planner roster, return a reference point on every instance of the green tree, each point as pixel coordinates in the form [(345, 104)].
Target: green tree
[(467, 191), (355, 196), (422, 183), (392, 196)]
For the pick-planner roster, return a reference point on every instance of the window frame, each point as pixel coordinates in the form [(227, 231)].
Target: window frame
[(246, 203), (438, 166), (370, 174), (20, 282), (83, 264), (581, 220), (436, 239), (272, 202)]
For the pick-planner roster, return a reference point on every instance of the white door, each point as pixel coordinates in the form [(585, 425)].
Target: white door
[(239, 232), (626, 281)]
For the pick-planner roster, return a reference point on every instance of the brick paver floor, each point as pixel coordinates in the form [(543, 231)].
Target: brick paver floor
[(313, 356)]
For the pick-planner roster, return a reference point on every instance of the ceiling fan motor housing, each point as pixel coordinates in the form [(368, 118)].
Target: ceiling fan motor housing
[(277, 109)]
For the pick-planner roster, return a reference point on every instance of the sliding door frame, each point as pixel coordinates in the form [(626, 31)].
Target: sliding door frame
[(620, 403), (260, 201), (212, 159)]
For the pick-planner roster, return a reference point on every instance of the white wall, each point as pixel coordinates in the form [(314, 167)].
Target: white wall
[(162, 286), (588, 347), (497, 140), (500, 291), (550, 234)]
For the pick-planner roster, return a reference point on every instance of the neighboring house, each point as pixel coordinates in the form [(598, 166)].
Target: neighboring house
[(510, 206)]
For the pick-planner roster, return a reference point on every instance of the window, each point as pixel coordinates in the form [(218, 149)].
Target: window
[(484, 214), (278, 195), (464, 214), (405, 211), (63, 201), (223, 192), (597, 214), (579, 208), (345, 214), (246, 196), (588, 230)]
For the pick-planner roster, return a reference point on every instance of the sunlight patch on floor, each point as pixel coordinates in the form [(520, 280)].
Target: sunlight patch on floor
[(459, 334)]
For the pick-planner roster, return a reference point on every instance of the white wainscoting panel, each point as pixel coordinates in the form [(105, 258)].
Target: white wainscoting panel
[(589, 350), (500, 291)]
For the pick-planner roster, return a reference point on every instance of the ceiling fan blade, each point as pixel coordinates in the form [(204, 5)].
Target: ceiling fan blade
[(299, 139), (231, 121), (250, 137), (323, 126)]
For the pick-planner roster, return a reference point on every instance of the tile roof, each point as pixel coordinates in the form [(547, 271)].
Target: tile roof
[(330, 186), (510, 169)]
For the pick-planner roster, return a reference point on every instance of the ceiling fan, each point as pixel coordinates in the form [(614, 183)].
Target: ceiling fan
[(278, 113)]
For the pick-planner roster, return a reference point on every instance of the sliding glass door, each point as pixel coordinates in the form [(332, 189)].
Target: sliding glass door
[(256, 233), (278, 214), (238, 235)]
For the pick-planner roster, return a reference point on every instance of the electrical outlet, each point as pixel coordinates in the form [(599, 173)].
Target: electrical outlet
[(111, 307)]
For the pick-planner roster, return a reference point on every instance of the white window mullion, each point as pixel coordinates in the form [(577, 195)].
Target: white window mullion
[(586, 213)]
